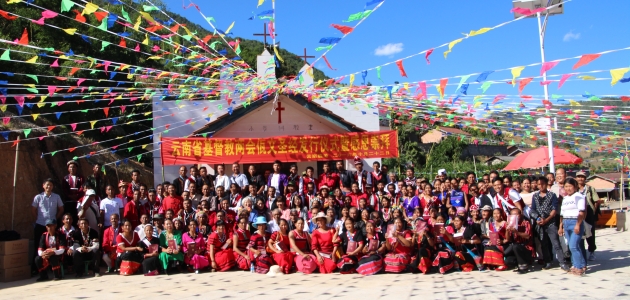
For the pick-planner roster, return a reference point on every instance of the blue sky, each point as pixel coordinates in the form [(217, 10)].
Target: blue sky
[(586, 27)]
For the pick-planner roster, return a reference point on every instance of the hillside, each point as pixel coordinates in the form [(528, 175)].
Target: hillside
[(131, 117)]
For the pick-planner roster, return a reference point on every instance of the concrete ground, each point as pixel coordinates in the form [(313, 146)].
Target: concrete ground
[(608, 277)]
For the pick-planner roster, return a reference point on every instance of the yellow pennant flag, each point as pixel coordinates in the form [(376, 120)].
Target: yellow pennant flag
[(260, 2), (13, 1), (32, 60), (89, 8), (351, 79), (92, 123), (617, 74), (146, 39), (587, 77), (516, 72), (70, 31), (451, 45), (137, 25), (229, 28), (574, 103), (3, 108), (148, 17), (35, 116), (477, 104), (480, 31), (40, 105), (275, 50), (439, 88)]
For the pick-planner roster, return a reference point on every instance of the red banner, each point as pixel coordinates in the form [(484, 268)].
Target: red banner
[(181, 151)]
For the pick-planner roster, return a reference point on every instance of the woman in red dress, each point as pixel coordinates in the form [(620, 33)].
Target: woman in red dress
[(497, 236), (280, 244), (129, 253), (428, 201), (257, 244), (219, 249), (300, 245), (399, 246), (239, 245), (323, 245)]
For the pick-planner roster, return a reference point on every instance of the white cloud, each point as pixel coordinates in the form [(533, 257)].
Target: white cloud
[(569, 36), (388, 49)]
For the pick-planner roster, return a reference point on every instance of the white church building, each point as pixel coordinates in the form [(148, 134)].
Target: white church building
[(288, 115)]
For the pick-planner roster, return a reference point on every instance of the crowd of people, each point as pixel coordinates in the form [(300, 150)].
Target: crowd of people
[(346, 221)]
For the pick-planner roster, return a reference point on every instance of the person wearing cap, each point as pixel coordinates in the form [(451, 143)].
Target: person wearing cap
[(52, 246), (360, 176), (72, 187), (158, 225), (258, 255), (441, 175), (46, 205), (122, 188), (88, 208), (592, 210), (324, 243)]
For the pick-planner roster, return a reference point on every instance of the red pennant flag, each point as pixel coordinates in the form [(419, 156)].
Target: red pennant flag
[(205, 39), (522, 83), (399, 63), (563, 79), (328, 63), (176, 27), (443, 83), (122, 43), (72, 149), (79, 17), (423, 87), (6, 15), (100, 15), (547, 66), (106, 111), (625, 98), (24, 38), (344, 29), (122, 109), (50, 128), (426, 56), (585, 59)]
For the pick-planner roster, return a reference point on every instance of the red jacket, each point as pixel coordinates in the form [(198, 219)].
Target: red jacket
[(356, 197), (109, 239), (134, 211), (73, 189), (176, 203), (330, 180)]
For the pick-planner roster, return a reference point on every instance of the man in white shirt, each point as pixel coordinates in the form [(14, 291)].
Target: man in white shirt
[(88, 209), (274, 224), (109, 206), (222, 179), (238, 177), (194, 175), (45, 206)]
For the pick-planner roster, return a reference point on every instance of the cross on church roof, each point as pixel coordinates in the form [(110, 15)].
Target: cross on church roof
[(305, 56), (265, 34)]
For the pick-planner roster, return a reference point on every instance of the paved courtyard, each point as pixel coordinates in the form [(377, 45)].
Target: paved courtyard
[(608, 277)]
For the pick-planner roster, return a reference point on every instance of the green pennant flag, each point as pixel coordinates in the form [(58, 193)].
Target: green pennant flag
[(27, 132), (32, 90), (6, 55), (204, 134), (53, 153), (104, 44), (103, 25), (129, 149), (75, 158), (238, 50), (358, 16), (150, 8), (213, 45), (138, 157), (66, 5), (84, 111), (126, 15), (166, 131), (324, 48), (461, 81), (378, 73), (210, 19), (484, 87)]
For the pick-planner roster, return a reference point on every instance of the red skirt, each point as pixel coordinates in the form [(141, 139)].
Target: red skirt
[(493, 256), (370, 265), (444, 261), (396, 263), (224, 259), (241, 262), (285, 261), (306, 264), (128, 267), (327, 267), (262, 262)]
